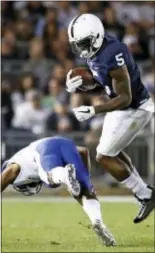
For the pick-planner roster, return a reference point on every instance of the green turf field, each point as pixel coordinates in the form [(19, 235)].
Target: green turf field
[(63, 227)]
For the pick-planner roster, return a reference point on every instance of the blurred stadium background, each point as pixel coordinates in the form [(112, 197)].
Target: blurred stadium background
[(35, 59)]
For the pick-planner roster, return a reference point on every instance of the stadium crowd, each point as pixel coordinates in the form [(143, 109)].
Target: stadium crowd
[(36, 57)]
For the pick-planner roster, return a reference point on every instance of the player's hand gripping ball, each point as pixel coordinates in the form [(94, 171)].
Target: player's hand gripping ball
[(80, 78)]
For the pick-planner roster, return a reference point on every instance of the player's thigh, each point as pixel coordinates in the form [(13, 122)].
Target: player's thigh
[(119, 129), (48, 156), (71, 156), (49, 161), (46, 162)]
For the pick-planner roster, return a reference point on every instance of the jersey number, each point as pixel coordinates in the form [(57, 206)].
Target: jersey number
[(119, 59)]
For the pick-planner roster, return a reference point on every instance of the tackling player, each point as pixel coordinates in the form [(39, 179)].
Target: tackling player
[(128, 109), (55, 161)]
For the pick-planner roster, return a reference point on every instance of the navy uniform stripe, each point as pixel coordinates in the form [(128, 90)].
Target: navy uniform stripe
[(72, 28)]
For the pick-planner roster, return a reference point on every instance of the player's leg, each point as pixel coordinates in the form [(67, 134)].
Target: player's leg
[(124, 127), (87, 197), (92, 208), (84, 153), (49, 162), (53, 173), (52, 170), (72, 158), (124, 157)]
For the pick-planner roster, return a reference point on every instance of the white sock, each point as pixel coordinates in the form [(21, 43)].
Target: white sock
[(137, 185), (58, 175), (92, 209), (135, 172)]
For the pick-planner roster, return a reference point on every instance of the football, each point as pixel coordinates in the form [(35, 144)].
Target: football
[(88, 80)]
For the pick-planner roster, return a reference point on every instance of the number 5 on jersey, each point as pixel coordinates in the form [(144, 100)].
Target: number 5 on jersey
[(120, 60)]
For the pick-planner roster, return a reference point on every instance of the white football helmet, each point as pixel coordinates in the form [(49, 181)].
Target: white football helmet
[(86, 34)]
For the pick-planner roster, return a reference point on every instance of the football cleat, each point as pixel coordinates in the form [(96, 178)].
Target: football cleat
[(72, 184), (104, 235), (146, 207)]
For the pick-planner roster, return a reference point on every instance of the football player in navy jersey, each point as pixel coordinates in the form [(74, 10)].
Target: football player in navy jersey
[(128, 108)]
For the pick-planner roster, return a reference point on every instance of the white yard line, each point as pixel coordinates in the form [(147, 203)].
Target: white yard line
[(112, 199)]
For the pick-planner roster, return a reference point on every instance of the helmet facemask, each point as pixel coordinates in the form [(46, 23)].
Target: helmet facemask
[(84, 47), (29, 188)]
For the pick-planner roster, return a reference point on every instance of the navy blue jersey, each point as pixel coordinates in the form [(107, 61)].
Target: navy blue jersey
[(112, 55)]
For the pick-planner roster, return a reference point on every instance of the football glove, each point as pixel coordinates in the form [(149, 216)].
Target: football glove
[(83, 113), (73, 83)]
